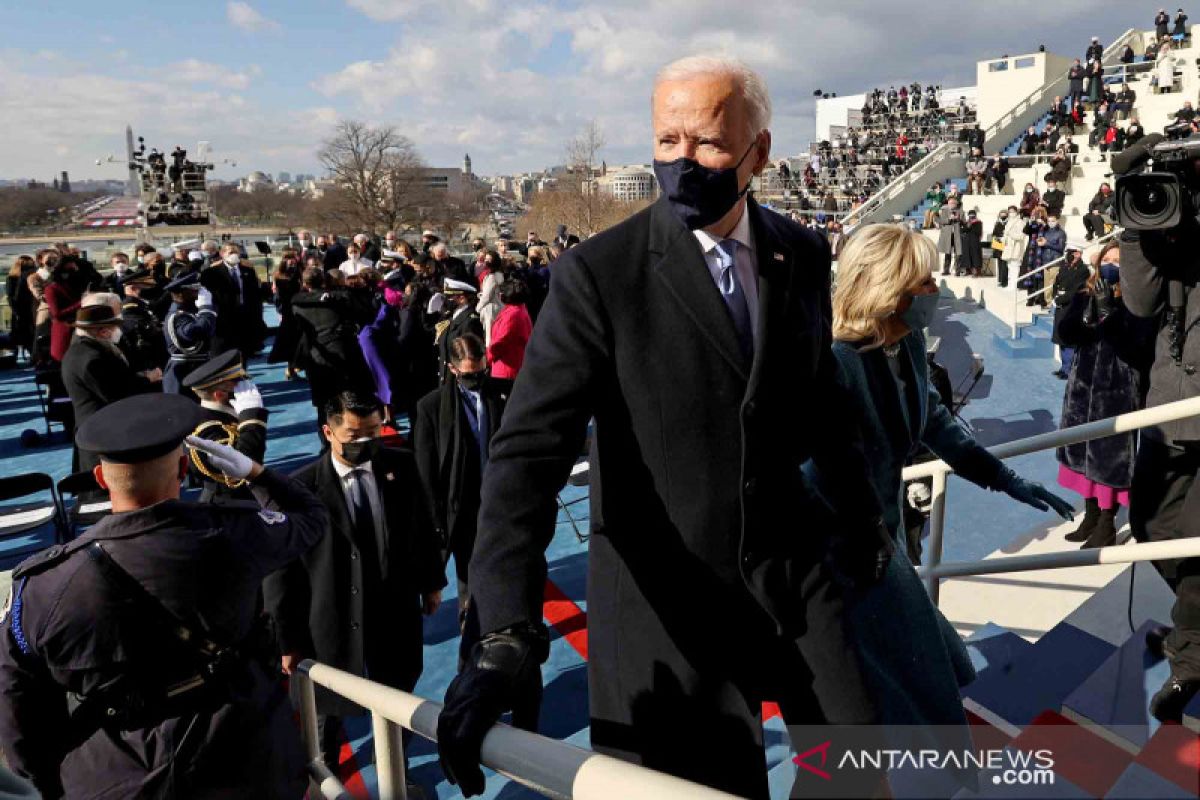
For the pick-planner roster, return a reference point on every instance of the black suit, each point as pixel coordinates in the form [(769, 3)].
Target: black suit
[(448, 462), (708, 590), (344, 606), (465, 322), (239, 315), (96, 374)]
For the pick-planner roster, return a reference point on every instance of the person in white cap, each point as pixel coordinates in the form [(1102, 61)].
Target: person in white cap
[(460, 317), (428, 240)]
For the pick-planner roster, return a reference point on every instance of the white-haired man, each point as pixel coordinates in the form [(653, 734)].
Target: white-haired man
[(95, 371), (697, 335)]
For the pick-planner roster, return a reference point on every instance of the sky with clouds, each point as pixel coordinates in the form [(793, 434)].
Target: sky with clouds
[(509, 81)]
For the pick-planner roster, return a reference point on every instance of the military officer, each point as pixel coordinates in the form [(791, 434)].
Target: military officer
[(461, 318), (129, 660), (141, 332), (189, 329), (232, 413)]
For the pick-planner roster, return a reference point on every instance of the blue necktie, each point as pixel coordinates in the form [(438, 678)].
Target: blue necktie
[(732, 294)]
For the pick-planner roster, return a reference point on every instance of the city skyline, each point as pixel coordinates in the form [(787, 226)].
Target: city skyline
[(509, 83)]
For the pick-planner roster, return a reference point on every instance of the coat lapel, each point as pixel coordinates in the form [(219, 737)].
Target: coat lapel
[(681, 267), (774, 279), (331, 495)]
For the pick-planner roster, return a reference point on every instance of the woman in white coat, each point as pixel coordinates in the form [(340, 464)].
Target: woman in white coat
[(490, 273), (1015, 241)]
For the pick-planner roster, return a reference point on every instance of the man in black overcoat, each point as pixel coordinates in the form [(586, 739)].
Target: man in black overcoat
[(354, 601), (715, 575), (238, 300), (460, 306)]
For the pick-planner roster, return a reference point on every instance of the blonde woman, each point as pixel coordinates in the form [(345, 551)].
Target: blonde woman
[(886, 295)]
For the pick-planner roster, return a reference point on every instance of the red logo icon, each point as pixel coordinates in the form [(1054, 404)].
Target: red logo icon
[(801, 760)]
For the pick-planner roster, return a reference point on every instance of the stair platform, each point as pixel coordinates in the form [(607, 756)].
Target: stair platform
[(1113, 702), (1040, 678)]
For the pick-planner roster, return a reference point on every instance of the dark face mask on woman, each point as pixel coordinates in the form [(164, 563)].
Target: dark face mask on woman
[(700, 195)]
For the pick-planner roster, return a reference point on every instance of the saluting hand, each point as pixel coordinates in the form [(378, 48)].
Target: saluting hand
[(245, 396), (226, 459)]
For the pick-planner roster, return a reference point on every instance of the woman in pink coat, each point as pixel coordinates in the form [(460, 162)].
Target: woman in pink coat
[(510, 331)]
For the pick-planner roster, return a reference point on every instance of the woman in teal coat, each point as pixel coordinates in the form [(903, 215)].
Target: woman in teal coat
[(886, 295)]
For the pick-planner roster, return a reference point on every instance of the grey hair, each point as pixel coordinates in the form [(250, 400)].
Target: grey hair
[(754, 89)]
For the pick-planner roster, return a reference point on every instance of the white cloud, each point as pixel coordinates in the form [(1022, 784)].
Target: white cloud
[(247, 18), (195, 71)]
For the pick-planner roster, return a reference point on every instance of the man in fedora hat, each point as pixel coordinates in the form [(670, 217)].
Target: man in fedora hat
[(95, 371)]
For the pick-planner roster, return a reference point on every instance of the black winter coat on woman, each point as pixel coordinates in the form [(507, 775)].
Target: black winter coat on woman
[(1108, 377)]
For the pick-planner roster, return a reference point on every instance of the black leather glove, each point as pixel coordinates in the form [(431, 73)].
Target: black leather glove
[(859, 554), (478, 695)]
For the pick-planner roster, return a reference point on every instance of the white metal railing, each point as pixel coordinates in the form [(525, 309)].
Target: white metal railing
[(935, 570), (552, 768), (1024, 297), (906, 179)]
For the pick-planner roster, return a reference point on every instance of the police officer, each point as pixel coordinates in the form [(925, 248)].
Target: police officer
[(129, 664), (232, 413), (189, 329), (141, 332)]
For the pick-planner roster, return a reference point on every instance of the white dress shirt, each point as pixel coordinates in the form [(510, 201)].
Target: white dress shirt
[(367, 478), (350, 267), (746, 264)]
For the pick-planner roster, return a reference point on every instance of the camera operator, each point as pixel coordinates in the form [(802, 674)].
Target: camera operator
[(1159, 273)]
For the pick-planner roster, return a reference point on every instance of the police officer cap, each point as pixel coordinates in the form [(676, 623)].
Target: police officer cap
[(188, 281), (451, 286), (138, 277), (139, 428), (220, 368)]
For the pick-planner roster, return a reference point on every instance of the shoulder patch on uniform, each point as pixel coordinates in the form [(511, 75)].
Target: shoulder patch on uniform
[(272, 517)]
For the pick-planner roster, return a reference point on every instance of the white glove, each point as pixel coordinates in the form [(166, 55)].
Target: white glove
[(245, 395), (204, 298), (222, 457)]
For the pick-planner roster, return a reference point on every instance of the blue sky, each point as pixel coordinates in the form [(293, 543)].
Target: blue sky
[(509, 81)]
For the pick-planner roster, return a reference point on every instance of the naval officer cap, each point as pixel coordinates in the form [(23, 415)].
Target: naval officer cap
[(185, 282), (139, 428), (220, 368), (451, 286)]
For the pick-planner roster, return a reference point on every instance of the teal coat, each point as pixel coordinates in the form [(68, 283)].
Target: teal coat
[(913, 657)]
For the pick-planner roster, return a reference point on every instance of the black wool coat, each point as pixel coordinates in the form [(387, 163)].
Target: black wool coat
[(1107, 378), (240, 326), (703, 527), (321, 604), (448, 463)]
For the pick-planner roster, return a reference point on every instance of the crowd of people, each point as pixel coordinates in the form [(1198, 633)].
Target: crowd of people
[(692, 340)]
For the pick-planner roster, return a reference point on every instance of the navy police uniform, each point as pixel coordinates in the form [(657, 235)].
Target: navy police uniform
[(245, 432), (188, 336), (98, 696)]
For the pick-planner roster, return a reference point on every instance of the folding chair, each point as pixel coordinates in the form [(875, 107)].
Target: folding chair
[(52, 397), (83, 503), (579, 477), (29, 527)]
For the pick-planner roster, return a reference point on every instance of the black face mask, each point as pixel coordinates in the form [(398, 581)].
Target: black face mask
[(699, 195), (361, 451), (472, 381)]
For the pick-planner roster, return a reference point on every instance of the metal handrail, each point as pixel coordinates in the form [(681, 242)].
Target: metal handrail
[(940, 470), (1019, 296), (905, 179), (553, 768)]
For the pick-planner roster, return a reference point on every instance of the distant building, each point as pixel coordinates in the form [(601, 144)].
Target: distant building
[(633, 183), (283, 177), (64, 184), (467, 165), (256, 182)]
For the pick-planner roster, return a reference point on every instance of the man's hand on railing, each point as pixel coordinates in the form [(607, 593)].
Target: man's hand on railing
[(1034, 494), (499, 664)]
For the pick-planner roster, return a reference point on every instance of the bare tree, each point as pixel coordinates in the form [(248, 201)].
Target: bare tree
[(584, 208), (378, 172)]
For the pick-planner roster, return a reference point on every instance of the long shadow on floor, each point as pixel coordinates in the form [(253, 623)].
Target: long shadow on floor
[(990, 432)]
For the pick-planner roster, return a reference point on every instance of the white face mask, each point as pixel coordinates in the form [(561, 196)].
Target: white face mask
[(120, 267), (233, 259)]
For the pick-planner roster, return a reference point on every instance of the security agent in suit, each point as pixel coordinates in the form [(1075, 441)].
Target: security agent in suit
[(232, 413), (131, 662), (238, 300), (355, 600), (454, 426), (715, 576), (458, 308)]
